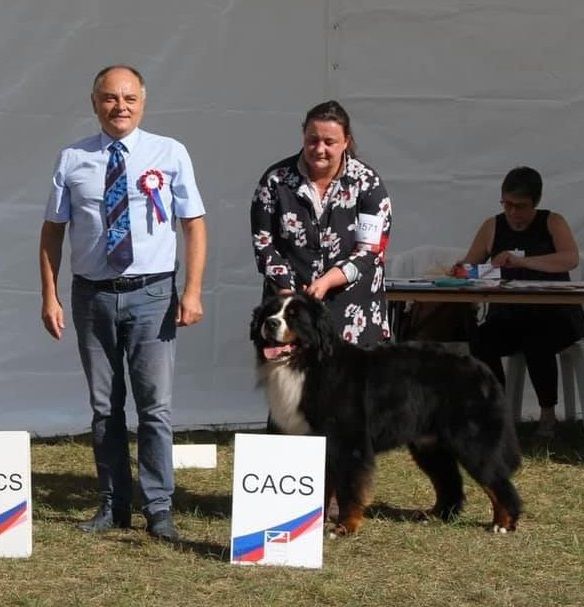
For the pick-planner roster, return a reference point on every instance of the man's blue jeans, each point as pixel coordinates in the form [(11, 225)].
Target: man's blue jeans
[(137, 327)]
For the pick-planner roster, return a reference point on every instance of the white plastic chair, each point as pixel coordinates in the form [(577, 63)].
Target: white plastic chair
[(571, 363), (423, 261), (427, 261)]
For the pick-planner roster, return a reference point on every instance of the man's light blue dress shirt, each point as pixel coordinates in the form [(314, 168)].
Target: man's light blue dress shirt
[(77, 197)]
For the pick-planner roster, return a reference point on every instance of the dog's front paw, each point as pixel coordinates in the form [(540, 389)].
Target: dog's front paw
[(502, 528), (348, 526), (329, 529), (335, 530), (340, 530), (503, 522)]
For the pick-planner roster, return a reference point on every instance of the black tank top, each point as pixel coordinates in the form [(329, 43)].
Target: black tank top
[(535, 240), (567, 320)]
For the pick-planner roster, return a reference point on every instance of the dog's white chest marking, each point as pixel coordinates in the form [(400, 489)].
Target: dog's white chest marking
[(284, 391)]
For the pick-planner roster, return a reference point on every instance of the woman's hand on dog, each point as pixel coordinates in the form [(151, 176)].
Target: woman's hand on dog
[(335, 277)]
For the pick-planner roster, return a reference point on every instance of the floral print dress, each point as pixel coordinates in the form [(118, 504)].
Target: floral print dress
[(293, 246)]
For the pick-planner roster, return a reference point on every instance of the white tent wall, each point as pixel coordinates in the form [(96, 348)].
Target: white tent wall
[(445, 97), (448, 95)]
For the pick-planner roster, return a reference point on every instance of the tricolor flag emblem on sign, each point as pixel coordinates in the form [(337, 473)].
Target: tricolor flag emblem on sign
[(277, 537), (12, 517), (251, 548)]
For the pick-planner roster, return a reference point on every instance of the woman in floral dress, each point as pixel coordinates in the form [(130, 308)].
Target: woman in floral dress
[(320, 222)]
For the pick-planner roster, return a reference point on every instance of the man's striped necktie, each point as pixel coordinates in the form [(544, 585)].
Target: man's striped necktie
[(119, 237)]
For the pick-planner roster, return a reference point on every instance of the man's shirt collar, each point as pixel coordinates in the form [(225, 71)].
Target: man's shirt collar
[(129, 141)]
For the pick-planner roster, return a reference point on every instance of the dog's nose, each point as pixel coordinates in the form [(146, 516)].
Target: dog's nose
[(272, 324)]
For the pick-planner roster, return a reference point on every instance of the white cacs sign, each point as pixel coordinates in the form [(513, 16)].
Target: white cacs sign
[(278, 493), (15, 495)]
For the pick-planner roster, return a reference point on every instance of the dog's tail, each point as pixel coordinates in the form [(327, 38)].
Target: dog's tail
[(486, 431), (502, 414)]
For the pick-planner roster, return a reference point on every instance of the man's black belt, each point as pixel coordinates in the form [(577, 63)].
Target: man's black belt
[(123, 284)]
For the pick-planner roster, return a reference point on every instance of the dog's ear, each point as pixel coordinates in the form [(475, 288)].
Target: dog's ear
[(325, 330), (255, 325)]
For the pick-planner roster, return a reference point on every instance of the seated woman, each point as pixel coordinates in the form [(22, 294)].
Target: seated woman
[(528, 244)]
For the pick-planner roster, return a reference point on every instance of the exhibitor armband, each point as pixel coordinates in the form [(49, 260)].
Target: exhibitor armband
[(369, 233)]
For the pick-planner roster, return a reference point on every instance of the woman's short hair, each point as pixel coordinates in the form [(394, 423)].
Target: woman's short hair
[(332, 110), (525, 182)]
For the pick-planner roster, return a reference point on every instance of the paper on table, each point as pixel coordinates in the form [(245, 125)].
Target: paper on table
[(482, 270), (565, 285), (410, 283), (442, 282)]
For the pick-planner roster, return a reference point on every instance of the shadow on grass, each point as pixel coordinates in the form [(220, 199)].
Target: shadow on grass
[(422, 517), (207, 506), (393, 513), (63, 439), (218, 436), (208, 550), (63, 492)]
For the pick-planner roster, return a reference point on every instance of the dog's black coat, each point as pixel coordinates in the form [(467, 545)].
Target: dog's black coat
[(447, 408)]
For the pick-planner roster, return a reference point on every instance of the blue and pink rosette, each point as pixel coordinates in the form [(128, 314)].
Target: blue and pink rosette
[(151, 183)]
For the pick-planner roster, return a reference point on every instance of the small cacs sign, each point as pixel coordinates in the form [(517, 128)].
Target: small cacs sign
[(15, 495), (278, 493)]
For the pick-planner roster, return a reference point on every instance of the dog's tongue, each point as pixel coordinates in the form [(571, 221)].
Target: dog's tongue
[(273, 352)]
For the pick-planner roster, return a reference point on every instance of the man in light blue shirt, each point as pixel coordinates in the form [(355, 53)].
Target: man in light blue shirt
[(126, 314)]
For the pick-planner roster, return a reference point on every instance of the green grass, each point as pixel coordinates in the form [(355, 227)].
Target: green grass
[(393, 561)]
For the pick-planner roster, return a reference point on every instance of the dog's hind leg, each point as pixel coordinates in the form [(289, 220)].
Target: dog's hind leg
[(491, 471), (506, 505), (494, 480), (441, 467)]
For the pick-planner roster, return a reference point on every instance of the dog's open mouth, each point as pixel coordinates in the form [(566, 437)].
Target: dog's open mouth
[(278, 352)]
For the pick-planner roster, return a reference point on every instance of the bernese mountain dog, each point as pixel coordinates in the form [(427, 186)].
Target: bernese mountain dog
[(447, 408)]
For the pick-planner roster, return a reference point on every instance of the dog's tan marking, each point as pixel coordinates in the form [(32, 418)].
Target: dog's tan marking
[(350, 520), (502, 520), (351, 517)]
